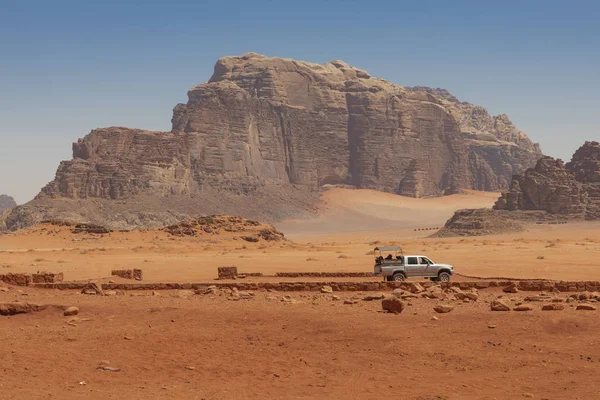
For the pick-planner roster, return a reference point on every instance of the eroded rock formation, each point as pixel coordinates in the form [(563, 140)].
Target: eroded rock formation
[(571, 190), (6, 202), (263, 135)]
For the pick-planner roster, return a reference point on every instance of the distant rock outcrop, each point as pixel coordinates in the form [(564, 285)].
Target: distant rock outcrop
[(550, 192), (571, 190), (265, 134), (6, 202)]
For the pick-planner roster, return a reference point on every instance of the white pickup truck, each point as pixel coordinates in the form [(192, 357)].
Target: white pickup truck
[(399, 267)]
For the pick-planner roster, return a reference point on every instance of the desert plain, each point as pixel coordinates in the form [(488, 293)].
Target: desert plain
[(171, 344)]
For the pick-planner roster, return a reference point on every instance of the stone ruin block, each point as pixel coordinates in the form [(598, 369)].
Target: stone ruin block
[(228, 272), (16, 279), (47, 277), (136, 274)]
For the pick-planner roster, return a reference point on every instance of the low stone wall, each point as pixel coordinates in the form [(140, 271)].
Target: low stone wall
[(47, 277), (324, 274), (227, 272), (563, 286), (136, 274), (16, 279)]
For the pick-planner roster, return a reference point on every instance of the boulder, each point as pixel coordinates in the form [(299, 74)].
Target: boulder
[(392, 305), (443, 308), (71, 311)]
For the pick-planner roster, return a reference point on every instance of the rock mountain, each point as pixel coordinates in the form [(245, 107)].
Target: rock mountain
[(263, 135)]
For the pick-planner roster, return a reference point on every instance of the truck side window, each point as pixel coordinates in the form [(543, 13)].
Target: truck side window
[(412, 260)]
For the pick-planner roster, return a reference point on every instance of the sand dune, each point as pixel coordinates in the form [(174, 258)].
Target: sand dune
[(349, 211)]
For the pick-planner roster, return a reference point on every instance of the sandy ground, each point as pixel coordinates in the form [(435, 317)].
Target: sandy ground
[(198, 347), (175, 346)]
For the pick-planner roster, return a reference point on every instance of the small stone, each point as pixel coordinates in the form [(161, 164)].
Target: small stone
[(443, 308), (414, 287), (499, 305), (553, 307), (434, 318), (155, 293), (128, 337), (397, 293), (371, 297), (586, 307), (492, 326), (523, 308), (350, 302), (326, 289), (528, 395), (71, 311), (512, 288), (335, 298), (190, 368), (110, 293)]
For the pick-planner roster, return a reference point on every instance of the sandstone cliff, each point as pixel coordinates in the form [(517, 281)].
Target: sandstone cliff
[(263, 135)]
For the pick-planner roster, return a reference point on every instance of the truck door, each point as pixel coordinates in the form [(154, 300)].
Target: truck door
[(426, 270), (412, 266)]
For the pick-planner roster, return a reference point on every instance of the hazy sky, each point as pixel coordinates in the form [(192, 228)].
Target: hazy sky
[(67, 67)]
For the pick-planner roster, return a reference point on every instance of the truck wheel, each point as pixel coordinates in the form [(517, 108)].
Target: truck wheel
[(398, 277), (444, 277)]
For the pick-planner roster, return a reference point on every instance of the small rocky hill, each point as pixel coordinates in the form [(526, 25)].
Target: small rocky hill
[(550, 191), (264, 135)]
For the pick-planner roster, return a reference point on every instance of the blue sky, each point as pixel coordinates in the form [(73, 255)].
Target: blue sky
[(67, 67)]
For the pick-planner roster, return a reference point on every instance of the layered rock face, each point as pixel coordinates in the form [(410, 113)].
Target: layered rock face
[(264, 134), (6, 202), (497, 149), (571, 190)]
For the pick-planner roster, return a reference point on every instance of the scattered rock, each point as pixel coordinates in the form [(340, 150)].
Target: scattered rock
[(443, 308), (586, 307), (19, 308), (392, 305), (512, 288), (326, 289), (398, 293), (553, 307), (523, 308), (110, 293), (92, 288), (434, 318), (414, 287), (371, 297), (71, 311), (335, 298), (350, 301), (499, 305)]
